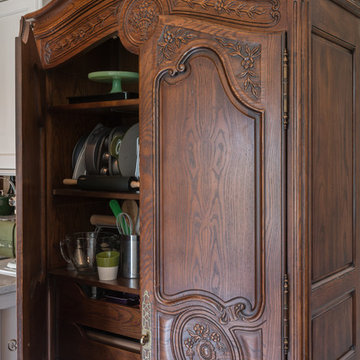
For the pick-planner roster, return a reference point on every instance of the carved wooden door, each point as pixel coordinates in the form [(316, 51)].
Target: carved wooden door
[(30, 157), (211, 197)]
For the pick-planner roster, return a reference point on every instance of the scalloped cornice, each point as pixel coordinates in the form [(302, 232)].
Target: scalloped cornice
[(260, 13), (64, 28)]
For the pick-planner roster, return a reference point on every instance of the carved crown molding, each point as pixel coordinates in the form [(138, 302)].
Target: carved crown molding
[(81, 34), (263, 13), (64, 28)]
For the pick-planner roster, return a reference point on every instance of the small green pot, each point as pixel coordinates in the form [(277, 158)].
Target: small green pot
[(5, 208), (108, 258)]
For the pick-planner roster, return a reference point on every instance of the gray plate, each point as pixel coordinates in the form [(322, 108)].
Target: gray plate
[(127, 152)]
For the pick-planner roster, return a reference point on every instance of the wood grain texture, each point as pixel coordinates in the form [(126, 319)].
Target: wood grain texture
[(130, 286), (297, 178), (334, 342), (31, 241), (94, 194), (332, 158), (335, 183), (206, 202), (210, 70), (74, 305), (207, 199), (130, 105), (351, 5), (263, 13), (60, 32), (75, 346)]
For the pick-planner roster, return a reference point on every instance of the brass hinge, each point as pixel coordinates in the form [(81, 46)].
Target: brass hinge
[(286, 316), (145, 340), (285, 99)]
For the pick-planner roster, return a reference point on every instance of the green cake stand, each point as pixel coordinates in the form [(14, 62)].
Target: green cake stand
[(114, 77)]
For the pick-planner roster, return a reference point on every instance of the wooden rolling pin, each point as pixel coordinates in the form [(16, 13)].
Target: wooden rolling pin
[(98, 220), (105, 183)]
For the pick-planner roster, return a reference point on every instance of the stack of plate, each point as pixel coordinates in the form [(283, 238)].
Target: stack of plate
[(107, 151)]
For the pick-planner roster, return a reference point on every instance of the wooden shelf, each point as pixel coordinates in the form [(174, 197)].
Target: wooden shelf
[(95, 194), (130, 286), (129, 105)]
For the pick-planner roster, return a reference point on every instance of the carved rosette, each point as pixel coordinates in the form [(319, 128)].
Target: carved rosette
[(258, 13), (203, 340), (249, 56), (80, 34), (170, 42), (141, 19)]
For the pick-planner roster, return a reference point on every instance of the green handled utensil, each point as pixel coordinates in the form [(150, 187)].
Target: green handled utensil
[(116, 210), (115, 207)]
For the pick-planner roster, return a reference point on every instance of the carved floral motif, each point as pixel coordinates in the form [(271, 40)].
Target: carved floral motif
[(57, 47), (266, 13), (232, 313), (249, 55), (171, 40), (204, 343), (142, 17)]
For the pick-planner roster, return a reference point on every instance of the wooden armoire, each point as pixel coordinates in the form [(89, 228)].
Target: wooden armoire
[(249, 179)]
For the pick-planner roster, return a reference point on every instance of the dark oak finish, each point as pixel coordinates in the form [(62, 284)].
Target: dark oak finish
[(332, 157), (106, 316), (76, 346), (130, 286), (94, 194), (217, 200), (249, 137), (32, 277), (130, 105), (335, 185)]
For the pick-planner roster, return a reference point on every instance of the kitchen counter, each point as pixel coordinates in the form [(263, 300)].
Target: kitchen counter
[(7, 284), (7, 288), (7, 315)]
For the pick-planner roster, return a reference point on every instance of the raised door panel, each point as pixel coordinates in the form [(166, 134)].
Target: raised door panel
[(334, 183), (211, 135), (205, 197), (332, 156)]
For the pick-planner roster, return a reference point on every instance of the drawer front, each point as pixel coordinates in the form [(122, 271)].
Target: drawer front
[(74, 306), (74, 344)]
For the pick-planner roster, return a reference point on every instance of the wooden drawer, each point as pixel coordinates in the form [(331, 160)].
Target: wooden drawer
[(74, 344), (74, 306)]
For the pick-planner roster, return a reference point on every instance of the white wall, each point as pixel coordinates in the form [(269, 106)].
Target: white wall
[(10, 15)]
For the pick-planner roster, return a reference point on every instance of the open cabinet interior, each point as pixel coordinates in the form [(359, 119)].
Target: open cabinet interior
[(249, 181), (85, 312)]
